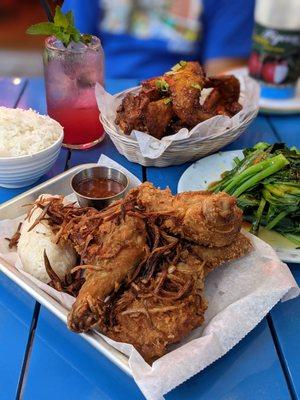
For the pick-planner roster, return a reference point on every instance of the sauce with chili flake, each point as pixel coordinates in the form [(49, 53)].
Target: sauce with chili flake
[(98, 188)]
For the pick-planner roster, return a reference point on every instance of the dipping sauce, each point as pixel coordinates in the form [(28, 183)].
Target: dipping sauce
[(98, 188)]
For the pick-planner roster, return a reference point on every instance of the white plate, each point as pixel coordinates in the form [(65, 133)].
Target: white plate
[(271, 106), (207, 170)]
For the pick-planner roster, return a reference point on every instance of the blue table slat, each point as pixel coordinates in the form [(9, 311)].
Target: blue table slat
[(16, 309), (286, 316), (287, 128), (286, 321), (34, 96), (258, 131), (250, 371), (10, 90), (114, 86), (65, 366), (105, 147)]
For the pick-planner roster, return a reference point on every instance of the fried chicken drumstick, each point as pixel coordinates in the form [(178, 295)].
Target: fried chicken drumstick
[(143, 262), (170, 102), (206, 219)]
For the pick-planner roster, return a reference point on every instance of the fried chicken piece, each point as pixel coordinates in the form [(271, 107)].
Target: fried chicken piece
[(153, 315), (130, 114), (110, 260), (182, 86), (145, 112), (207, 219), (217, 256), (150, 89), (224, 98), (110, 244), (145, 260), (158, 116), (228, 86), (185, 87)]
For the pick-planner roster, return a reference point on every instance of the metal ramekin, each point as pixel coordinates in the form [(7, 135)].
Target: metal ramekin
[(99, 173)]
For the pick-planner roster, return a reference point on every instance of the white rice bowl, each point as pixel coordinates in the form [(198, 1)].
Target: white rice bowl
[(31, 248), (29, 146), (26, 132)]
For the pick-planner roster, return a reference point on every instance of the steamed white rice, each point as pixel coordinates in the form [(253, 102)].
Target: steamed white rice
[(25, 132), (32, 244)]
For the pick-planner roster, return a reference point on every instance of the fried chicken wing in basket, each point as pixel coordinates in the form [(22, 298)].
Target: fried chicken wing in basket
[(143, 262), (179, 116), (175, 97)]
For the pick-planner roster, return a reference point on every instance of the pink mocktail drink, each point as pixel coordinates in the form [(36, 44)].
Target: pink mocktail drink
[(70, 77)]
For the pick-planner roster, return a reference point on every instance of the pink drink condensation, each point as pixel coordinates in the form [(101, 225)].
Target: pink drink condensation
[(70, 78)]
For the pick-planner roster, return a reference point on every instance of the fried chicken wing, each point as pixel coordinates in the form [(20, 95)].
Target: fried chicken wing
[(130, 114), (153, 315), (170, 102), (145, 112), (158, 116), (208, 219), (185, 87), (150, 89), (224, 97)]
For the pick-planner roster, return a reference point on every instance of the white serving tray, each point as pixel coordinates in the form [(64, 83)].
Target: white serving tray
[(17, 207)]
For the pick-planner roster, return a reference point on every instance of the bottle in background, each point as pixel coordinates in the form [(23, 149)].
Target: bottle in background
[(275, 57)]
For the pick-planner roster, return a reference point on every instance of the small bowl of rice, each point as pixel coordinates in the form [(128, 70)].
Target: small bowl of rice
[(29, 146)]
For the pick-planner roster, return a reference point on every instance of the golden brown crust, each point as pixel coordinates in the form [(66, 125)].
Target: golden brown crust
[(217, 256), (158, 116), (114, 260), (151, 322), (145, 259), (167, 103), (208, 219)]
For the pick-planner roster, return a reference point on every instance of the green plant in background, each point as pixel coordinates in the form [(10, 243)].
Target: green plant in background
[(267, 185)]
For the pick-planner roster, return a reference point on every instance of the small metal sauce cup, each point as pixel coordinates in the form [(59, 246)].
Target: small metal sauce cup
[(99, 173)]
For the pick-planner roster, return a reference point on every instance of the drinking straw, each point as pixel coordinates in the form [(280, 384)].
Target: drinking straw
[(47, 10)]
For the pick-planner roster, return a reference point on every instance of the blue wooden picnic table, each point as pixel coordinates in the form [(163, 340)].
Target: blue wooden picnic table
[(41, 359)]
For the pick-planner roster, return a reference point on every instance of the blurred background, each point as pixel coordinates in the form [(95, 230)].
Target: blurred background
[(154, 34), (20, 54)]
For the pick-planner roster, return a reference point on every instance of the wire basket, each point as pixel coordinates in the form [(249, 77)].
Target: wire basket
[(179, 151)]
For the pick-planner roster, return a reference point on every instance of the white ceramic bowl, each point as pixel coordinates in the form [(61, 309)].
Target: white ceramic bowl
[(22, 171)]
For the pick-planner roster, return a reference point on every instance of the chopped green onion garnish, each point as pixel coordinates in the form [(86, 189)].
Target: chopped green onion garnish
[(178, 66), (196, 86), (167, 100), (162, 85)]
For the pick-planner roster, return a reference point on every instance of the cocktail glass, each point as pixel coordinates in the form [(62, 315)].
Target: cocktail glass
[(70, 77)]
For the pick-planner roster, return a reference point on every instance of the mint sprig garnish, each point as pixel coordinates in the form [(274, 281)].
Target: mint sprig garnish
[(62, 28)]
